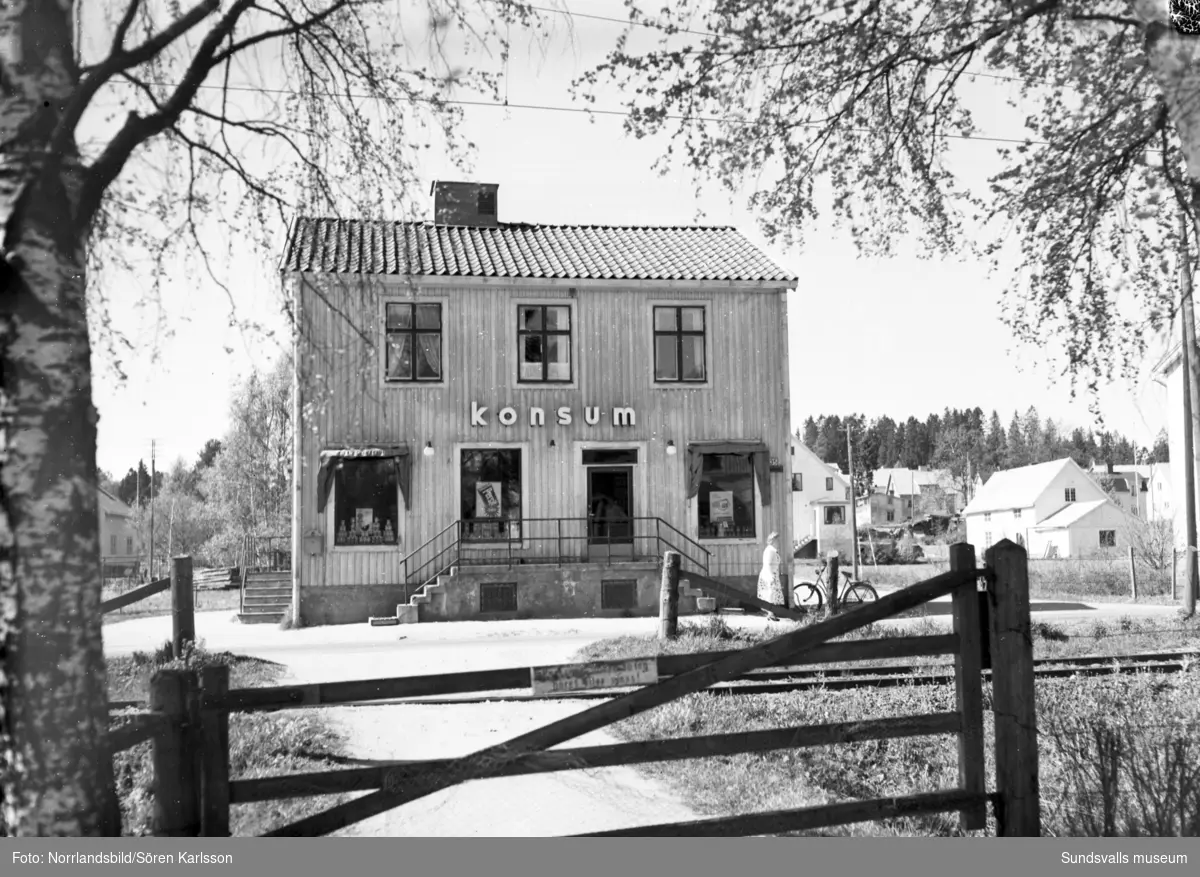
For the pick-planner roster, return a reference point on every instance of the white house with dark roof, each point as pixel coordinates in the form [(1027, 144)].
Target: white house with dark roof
[(501, 419), (1054, 509)]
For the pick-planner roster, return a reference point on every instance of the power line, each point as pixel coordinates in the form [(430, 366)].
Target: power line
[(577, 110), (704, 33)]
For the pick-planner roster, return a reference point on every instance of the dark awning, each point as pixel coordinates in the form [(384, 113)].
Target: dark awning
[(331, 461), (754, 451)]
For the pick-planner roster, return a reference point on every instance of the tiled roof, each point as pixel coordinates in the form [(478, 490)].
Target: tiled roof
[(350, 246), (904, 480)]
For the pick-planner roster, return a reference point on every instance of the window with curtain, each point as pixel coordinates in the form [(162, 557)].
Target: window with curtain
[(366, 503), (726, 497), (679, 344), (490, 504), (544, 342), (414, 341)]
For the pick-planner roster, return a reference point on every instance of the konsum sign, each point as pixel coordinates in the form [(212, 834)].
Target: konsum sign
[(592, 415)]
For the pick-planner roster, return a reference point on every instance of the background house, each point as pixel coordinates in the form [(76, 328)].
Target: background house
[(931, 491), (120, 546), (1015, 502), (817, 486), (1143, 490), (1080, 529)]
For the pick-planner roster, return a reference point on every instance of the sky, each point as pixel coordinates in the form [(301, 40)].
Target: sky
[(899, 337)]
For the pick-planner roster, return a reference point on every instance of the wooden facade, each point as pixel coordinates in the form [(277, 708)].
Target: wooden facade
[(343, 399)]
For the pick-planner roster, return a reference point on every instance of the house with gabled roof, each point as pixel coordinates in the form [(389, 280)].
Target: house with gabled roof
[(821, 497), (1055, 509), (120, 544), (506, 418)]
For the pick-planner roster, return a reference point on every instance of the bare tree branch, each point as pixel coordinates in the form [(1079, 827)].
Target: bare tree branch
[(94, 78)]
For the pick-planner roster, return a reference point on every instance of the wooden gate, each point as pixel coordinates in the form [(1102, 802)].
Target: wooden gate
[(992, 623)]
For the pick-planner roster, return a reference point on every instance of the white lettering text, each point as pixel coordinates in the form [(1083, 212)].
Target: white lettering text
[(477, 415), (507, 416)]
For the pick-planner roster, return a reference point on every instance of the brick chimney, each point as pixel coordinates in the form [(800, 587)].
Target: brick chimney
[(465, 203)]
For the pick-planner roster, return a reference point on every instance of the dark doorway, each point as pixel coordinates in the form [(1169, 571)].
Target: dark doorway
[(610, 511)]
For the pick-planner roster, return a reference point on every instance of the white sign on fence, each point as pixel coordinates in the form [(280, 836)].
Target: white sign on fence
[(599, 674)]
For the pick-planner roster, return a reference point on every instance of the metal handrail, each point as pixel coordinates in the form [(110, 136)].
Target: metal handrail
[(512, 535)]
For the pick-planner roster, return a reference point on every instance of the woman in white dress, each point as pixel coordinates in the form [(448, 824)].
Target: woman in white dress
[(770, 589)]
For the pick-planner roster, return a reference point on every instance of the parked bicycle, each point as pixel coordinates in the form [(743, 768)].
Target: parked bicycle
[(811, 596)]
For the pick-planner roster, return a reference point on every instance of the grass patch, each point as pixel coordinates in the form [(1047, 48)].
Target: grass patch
[(1118, 753), (260, 744), (1097, 580)]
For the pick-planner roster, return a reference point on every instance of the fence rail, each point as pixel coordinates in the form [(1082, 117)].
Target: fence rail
[(991, 628)]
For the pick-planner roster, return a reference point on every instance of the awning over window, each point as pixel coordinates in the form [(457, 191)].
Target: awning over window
[(331, 461), (751, 451)]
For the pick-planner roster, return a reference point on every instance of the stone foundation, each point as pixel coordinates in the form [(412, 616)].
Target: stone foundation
[(574, 591)]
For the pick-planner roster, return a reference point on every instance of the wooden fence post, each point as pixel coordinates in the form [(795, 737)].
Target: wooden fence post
[(1174, 566), (214, 752), (182, 605), (832, 581), (1018, 808), (668, 603), (968, 686), (176, 791), (1132, 574)]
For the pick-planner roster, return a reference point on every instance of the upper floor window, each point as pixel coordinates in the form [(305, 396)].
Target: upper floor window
[(1017, 514), (112, 544), (829, 484), (679, 344), (414, 342), (129, 545), (798, 481), (1069, 494), (544, 341), (987, 516)]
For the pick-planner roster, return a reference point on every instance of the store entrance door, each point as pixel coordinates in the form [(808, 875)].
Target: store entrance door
[(610, 511)]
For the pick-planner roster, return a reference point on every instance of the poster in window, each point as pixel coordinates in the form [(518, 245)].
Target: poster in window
[(720, 505), (487, 499), (363, 518)]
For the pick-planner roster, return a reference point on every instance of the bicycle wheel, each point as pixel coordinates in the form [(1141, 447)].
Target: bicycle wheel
[(860, 592), (807, 596)]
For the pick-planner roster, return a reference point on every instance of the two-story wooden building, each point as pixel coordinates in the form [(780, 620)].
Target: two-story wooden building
[(500, 419)]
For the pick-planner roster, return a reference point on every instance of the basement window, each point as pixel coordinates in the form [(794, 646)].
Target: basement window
[(498, 597), (620, 594)]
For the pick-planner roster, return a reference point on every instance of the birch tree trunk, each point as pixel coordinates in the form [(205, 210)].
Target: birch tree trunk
[(55, 775)]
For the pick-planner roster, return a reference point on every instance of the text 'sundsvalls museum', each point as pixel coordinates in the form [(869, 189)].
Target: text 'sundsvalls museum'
[(505, 418)]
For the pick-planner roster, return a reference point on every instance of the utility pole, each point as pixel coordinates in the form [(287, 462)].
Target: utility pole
[(1191, 407), (152, 509), (853, 503)]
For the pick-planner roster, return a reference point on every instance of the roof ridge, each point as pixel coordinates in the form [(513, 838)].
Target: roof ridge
[(522, 224)]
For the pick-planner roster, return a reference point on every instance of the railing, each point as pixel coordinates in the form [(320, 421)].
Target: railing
[(267, 553), (486, 541), (189, 720)]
